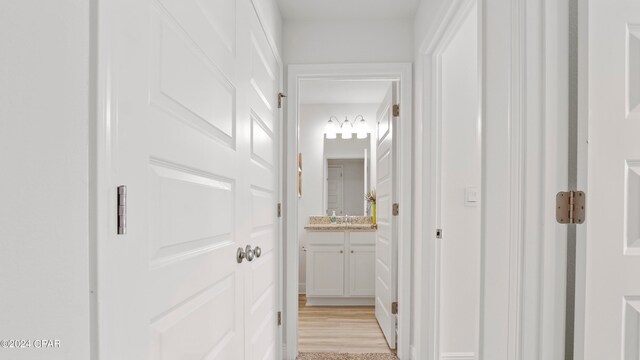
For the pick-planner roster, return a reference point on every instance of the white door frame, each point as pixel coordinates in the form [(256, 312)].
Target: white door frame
[(401, 72), (523, 114)]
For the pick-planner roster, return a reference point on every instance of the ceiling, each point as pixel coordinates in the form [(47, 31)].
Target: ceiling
[(348, 9), (343, 92)]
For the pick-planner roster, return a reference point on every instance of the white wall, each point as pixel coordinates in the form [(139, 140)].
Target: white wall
[(313, 119), (459, 316), (44, 186), (427, 19), (347, 41)]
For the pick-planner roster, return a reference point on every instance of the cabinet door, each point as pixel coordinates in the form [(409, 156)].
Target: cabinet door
[(325, 270), (362, 260)]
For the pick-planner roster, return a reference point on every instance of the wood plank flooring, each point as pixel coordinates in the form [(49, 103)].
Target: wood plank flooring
[(348, 329)]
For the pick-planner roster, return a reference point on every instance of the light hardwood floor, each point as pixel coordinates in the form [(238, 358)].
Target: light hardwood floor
[(348, 329)]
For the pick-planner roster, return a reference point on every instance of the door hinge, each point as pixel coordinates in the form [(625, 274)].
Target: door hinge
[(279, 209), (570, 207), (280, 96), (394, 308), (279, 318), (438, 233), (396, 110), (396, 209), (122, 210)]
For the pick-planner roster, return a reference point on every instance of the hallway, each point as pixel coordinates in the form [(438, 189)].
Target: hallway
[(339, 329)]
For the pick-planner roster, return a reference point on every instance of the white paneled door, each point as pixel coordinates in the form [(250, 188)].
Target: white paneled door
[(193, 132), (613, 198), (386, 236)]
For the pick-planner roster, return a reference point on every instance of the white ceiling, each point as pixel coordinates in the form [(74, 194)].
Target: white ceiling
[(348, 9), (343, 92)]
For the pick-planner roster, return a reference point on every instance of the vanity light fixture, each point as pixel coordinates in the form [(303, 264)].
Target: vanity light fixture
[(347, 128)]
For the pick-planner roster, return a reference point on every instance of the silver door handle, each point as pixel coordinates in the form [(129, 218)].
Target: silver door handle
[(240, 255), (249, 253), (257, 251)]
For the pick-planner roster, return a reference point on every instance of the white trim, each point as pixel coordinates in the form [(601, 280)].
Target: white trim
[(458, 356), (517, 162), (582, 180), (391, 71), (104, 194), (428, 324)]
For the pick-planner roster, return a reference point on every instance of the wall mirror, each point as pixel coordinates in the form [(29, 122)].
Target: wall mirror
[(347, 169)]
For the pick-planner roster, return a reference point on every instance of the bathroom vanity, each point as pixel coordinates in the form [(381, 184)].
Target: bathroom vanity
[(341, 264)]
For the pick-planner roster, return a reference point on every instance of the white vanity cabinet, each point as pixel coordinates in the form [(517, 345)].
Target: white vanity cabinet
[(325, 272), (340, 268)]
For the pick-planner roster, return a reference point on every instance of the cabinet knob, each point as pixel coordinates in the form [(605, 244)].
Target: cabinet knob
[(352, 251), (341, 251)]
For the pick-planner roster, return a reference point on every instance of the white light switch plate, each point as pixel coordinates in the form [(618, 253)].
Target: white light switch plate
[(471, 196)]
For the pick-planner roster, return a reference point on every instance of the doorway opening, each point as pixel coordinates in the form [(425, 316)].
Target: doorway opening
[(348, 268)]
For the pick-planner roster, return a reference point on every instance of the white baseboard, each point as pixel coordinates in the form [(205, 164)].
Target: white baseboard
[(458, 356)]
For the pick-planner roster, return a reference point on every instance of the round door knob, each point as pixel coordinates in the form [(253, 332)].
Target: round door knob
[(341, 251), (257, 251), (249, 254), (240, 255)]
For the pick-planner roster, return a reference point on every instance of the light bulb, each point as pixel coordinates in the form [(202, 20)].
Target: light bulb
[(362, 129), (330, 130)]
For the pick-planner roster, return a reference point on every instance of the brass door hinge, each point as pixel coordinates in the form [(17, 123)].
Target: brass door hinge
[(394, 308), (570, 207), (396, 110), (280, 96)]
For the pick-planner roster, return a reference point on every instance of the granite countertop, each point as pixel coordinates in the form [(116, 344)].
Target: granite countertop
[(341, 227), (323, 223)]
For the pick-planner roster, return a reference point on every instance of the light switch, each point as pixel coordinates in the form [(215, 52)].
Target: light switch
[(471, 196)]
